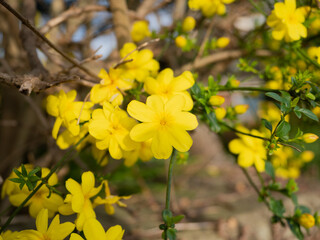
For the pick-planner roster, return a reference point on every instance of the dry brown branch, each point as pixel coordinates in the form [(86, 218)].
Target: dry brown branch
[(205, 39), (180, 7), (221, 56), (29, 83), (141, 46), (144, 7), (71, 13), (28, 39), (35, 31), (121, 21)]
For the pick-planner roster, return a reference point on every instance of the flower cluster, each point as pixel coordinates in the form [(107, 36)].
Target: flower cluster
[(81, 200)]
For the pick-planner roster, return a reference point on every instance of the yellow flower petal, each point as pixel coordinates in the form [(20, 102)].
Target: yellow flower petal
[(93, 230), (42, 221), (56, 127), (186, 120), (140, 111), (115, 233), (87, 182), (180, 139), (143, 132), (160, 146)]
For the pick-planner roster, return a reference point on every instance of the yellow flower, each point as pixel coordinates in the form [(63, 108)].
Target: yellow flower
[(66, 138), (67, 112), (109, 199), (314, 53), (163, 122), (286, 21), (250, 150), (142, 151), (223, 42), (9, 235), (216, 100), (78, 201), (188, 24), (309, 137), (180, 41), (110, 87), (142, 65), (40, 200), (93, 230), (140, 31), (110, 127), (307, 156), (167, 86), (241, 109), (234, 83), (56, 231), (306, 220), (209, 7)]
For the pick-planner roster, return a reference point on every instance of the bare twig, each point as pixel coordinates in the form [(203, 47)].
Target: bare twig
[(141, 46), (120, 21), (205, 40), (222, 56), (30, 83), (70, 13), (35, 31)]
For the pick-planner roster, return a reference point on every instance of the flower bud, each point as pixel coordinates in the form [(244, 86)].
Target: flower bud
[(188, 24), (223, 42), (306, 220), (234, 83), (220, 113), (181, 41), (241, 109), (307, 156), (216, 100), (309, 137)]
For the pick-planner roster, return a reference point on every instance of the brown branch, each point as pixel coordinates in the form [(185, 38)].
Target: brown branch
[(30, 83), (71, 13), (28, 39), (205, 39), (141, 46), (121, 21), (222, 56), (35, 31)]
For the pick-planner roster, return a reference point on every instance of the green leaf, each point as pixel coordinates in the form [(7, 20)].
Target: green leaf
[(295, 229), (29, 185), (16, 180), (275, 96), (177, 219), (195, 89), (276, 206), (211, 83), (171, 234), (283, 129), (292, 187), (167, 216), (267, 124), (24, 170), (298, 114), (309, 114), (213, 123), (269, 169), (34, 171), (302, 209), (295, 101), (17, 173)]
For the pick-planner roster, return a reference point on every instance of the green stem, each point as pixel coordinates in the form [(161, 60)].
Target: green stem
[(259, 89), (258, 8), (243, 133), (304, 55), (254, 186), (168, 192), (43, 181), (170, 171)]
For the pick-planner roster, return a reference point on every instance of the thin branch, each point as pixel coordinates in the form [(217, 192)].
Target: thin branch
[(35, 31), (30, 83), (143, 45), (71, 13), (259, 89), (222, 56), (205, 40)]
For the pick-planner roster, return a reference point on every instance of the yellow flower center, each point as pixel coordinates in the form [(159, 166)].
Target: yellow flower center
[(163, 122)]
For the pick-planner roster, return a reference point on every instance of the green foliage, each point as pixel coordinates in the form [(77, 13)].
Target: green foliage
[(29, 179)]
